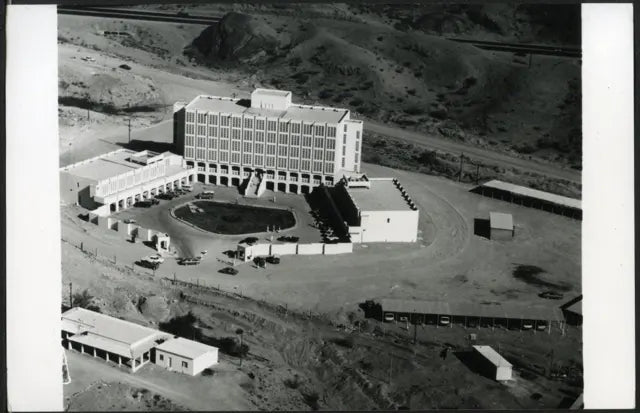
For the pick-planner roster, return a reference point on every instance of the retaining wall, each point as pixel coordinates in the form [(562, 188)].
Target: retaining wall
[(283, 249), (310, 249), (340, 248)]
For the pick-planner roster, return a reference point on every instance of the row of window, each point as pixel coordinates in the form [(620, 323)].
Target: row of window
[(293, 141), (271, 125), (261, 149), (270, 160)]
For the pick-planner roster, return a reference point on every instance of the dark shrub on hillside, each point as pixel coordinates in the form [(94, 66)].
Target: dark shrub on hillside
[(356, 102), (414, 110)]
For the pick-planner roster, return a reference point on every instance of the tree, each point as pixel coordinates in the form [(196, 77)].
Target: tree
[(84, 300)]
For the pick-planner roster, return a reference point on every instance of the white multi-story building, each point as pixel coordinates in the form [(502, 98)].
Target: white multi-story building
[(267, 142), (118, 179)]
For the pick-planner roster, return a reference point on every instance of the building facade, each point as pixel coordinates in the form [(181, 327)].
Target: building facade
[(118, 179), (375, 209), (266, 142), (185, 356)]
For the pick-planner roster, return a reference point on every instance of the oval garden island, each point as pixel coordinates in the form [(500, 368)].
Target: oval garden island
[(234, 219)]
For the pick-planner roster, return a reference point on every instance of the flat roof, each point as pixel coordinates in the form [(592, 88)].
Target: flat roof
[(116, 163), (534, 193), (499, 220), (186, 348), (272, 92), (382, 195), (512, 311), (126, 332), (493, 356), (305, 113)]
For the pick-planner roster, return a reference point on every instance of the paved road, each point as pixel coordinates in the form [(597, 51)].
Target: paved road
[(139, 15), (475, 153)]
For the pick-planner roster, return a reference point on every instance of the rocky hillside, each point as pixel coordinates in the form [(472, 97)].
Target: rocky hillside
[(396, 65)]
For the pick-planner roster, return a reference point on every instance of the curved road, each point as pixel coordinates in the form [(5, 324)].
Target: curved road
[(480, 154)]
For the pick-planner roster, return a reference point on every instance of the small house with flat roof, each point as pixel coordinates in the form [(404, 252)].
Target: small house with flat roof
[(186, 356), (492, 364)]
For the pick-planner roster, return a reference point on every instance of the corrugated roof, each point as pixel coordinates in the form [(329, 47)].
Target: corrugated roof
[(534, 193), (105, 344), (462, 309), (106, 326), (186, 348), (499, 220), (493, 356)]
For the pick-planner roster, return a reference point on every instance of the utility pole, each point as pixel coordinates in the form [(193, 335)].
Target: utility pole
[(461, 160), (70, 295), (129, 130)]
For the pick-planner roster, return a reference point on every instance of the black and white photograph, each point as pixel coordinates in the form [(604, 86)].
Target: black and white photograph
[(321, 206)]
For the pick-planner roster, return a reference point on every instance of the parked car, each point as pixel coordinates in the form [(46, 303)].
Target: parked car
[(541, 326), (228, 270), (154, 258), (444, 320), (551, 295), (389, 317), (404, 319), (527, 325), (188, 261), (154, 201), (129, 221), (142, 204), (187, 188), (273, 259), (150, 265)]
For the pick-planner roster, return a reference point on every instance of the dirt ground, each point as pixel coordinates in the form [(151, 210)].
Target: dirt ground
[(450, 261), (299, 359), (300, 362)]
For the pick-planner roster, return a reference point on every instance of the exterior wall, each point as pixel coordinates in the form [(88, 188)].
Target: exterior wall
[(178, 127), (75, 189), (173, 362), (501, 234), (205, 361), (283, 249), (351, 134), (261, 250), (290, 152), (389, 226), (503, 373), (339, 248), (310, 249), (270, 101)]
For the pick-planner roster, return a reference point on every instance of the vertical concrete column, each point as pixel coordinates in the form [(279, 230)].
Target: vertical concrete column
[(133, 364), (68, 345), (107, 353), (94, 352), (117, 205), (82, 348), (119, 361)]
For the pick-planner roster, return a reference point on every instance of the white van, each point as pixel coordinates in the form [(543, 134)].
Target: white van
[(187, 188)]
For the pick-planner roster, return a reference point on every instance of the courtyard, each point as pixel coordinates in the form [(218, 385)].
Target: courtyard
[(225, 218)]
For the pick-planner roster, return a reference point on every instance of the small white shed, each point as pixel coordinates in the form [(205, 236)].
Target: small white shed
[(492, 363), (186, 356), (501, 226)]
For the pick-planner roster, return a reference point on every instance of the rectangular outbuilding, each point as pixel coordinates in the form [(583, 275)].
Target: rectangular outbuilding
[(375, 209), (109, 338), (492, 364), (186, 356), (501, 226)]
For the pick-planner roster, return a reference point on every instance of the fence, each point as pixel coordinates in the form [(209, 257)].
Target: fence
[(247, 252)]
